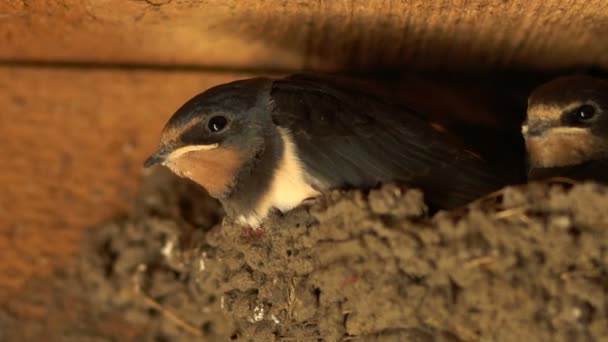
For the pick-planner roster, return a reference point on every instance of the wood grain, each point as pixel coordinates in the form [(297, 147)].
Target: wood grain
[(316, 34)]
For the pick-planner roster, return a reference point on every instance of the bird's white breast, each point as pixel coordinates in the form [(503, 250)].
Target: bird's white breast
[(288, 188)]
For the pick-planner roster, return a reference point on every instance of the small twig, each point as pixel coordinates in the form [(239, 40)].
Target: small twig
[(491, 195), (137, 279), (519, 212), (480, 261), (171, 316), (486, 199), (510, 212)]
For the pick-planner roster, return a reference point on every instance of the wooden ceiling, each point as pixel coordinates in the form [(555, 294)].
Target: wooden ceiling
[(296, 34)]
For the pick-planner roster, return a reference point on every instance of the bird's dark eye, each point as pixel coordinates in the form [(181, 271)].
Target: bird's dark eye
[(217, 123), (584, 112)]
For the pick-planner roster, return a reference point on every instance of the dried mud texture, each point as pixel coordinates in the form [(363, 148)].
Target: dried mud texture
[(527, 264)]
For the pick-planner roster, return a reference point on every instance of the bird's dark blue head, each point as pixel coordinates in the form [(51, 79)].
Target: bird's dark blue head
[(216, 133), (234, 115)]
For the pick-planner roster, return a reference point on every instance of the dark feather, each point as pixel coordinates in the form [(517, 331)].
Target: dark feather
[(350, 138)]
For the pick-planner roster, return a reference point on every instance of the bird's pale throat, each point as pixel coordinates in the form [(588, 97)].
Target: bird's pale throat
[(214, 169), (560, 147)]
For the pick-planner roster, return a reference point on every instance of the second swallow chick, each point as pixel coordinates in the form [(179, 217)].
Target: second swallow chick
[(566, 132)]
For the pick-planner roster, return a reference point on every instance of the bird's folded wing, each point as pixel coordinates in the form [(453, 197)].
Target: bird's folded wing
[(349, 138)]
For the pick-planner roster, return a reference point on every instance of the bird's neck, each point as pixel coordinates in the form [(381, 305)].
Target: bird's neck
[(594, 170), (254, 179)]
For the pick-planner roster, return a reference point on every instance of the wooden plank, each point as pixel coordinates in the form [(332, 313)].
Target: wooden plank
[(73, 143), (308, 34)]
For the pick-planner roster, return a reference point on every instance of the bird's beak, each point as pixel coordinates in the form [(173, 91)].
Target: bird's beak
[(535, 129), (166, 153), (157, 158)]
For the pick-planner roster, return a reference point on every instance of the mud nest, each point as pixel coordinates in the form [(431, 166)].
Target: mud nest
[(528, 263)]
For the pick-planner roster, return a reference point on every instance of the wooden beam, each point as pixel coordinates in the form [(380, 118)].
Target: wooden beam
[(319, 34)]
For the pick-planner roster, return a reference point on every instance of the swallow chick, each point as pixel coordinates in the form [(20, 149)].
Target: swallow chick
[(566, 131), (262, 144)]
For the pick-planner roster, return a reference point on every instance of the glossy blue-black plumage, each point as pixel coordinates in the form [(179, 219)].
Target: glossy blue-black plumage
[(347, 137)]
